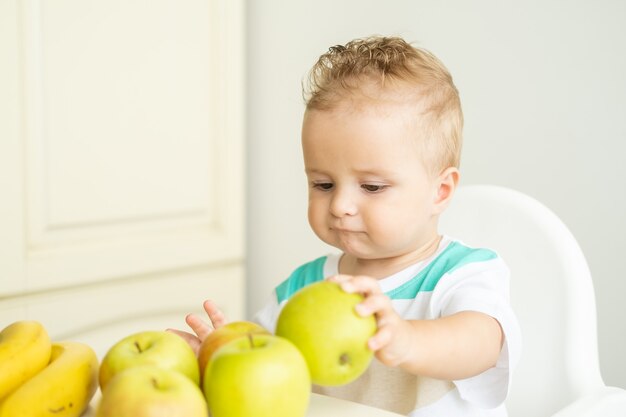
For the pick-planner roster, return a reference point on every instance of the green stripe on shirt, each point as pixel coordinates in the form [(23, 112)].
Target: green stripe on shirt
[(306, 274), (453, 257)]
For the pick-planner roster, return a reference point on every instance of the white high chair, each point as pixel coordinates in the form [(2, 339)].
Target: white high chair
[(553, 297)]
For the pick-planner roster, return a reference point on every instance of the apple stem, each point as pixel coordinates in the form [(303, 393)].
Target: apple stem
[(138, 347), (250, 339)]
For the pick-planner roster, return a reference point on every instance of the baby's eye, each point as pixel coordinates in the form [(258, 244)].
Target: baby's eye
[(373, 188), (324, 186)]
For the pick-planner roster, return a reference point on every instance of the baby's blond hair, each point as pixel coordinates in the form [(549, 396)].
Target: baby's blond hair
[(393, 64)]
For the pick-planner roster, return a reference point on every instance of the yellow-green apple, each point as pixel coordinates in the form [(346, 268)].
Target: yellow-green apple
[(259, 375), (321, 321), (161, 348), (150, 391), (222, 335)]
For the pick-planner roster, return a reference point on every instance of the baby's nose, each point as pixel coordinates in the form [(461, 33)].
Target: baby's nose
[(343, 204)]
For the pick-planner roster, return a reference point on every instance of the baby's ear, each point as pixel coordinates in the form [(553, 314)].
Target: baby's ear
[(446, 184)]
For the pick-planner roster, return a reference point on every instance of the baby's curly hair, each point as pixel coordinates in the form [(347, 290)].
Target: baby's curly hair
[(392, 65)]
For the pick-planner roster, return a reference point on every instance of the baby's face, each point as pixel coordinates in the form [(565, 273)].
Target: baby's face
[(369, 192)]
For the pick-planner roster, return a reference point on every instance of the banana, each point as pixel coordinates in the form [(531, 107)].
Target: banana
[(62, 389), (24, 350)]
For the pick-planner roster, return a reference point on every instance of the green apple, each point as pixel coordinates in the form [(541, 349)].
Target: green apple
[(163, 349), (150, 391), (222, 335), (259, 375), (321, 321)]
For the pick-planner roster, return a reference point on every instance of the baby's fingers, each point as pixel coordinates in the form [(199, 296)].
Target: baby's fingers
[(215, 314), (339, 278), (378, 304), (199, 327), (380, 339), (360, 284)]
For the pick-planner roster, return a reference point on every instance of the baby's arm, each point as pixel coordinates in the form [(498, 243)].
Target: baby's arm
[(199, 327), (450, 348)]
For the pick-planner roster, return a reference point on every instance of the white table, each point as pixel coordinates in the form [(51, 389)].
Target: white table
[(323, 406), (320, 406)]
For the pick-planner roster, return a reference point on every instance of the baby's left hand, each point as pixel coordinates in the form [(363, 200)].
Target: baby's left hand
[(200, 328), (392, 341)]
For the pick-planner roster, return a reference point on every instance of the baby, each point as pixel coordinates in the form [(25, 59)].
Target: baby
[(381, 140)]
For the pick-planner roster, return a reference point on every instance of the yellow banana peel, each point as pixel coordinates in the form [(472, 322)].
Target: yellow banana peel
[(62, 389), (25, 349)]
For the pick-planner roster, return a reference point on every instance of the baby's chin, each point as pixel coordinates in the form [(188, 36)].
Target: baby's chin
[(358, 254)]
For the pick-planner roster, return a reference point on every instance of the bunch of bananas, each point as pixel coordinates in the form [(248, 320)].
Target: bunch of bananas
[(42, 378)]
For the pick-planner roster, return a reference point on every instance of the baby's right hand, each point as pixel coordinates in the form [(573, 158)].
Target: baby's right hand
[(200, 328)]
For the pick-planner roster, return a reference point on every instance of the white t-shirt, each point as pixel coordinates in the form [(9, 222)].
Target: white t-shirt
[(455, 278)]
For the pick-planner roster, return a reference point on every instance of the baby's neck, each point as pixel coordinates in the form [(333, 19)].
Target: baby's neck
[(383, 267)]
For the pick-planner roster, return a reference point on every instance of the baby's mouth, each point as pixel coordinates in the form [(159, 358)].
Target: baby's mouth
[(344, 230)]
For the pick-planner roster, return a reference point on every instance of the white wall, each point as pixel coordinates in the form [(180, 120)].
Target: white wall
[(544, 91)]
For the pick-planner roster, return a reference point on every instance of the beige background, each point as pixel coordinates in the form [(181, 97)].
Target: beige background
[(544, 91), (121, 164)]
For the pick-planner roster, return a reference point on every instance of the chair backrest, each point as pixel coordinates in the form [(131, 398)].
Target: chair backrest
[(551, 293)]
